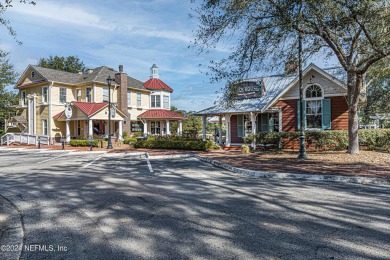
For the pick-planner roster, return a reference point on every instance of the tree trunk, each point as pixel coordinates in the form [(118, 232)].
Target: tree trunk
[(354, 87)]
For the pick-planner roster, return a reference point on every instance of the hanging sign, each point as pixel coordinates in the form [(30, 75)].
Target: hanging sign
[(68, 110)]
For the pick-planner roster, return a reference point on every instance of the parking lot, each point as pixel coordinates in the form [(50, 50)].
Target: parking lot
[(128, 206)]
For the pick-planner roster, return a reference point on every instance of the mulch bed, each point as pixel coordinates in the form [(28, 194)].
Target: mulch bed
[(365, 164)]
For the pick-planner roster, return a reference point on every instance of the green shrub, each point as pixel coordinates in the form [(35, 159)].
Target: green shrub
[(137, 134), (245, 149), (124, 135), (131, 140), (76, 142), (2, 132), (373, 139), (158, 143)]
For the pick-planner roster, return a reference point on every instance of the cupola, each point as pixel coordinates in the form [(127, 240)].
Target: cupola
[(154, 72)]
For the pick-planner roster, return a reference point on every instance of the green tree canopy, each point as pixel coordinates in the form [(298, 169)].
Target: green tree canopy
[(69, 64), (263, 35), (8, 98), (378, 89)]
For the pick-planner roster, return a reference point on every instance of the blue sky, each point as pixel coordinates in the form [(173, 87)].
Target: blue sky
[(134, 33)]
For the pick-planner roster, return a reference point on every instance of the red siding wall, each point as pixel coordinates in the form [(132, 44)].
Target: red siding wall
[(234, 131), (289, 114), (339, 110)]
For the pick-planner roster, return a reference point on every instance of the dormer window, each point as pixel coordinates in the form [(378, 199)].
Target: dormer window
[(32, 74)]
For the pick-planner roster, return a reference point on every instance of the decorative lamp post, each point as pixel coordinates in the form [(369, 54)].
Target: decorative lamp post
[(109, 81), (302, 150)]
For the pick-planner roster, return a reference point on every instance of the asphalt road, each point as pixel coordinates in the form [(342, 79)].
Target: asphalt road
[(97, 207)]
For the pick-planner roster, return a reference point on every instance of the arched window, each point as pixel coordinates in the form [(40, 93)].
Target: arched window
[(313, 100), (313, 91)]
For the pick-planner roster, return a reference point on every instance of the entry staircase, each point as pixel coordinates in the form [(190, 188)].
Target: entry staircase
[(23, 139)]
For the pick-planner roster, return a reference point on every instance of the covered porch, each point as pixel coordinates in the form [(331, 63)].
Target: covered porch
[(158, 122), (240, 125), (90, 121)]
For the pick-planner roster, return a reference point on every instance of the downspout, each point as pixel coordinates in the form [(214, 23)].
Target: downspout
[(50, 113)]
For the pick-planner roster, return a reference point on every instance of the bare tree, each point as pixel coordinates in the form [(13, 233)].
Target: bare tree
[(262, 34)]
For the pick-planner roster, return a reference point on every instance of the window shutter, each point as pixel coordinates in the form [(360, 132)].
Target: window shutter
[(299, 115), (326, 114), (264, 123), (240, 125)]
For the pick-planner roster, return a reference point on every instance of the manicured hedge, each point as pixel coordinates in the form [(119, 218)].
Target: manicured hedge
[(75, 142), (373, 139), (130, 140), (161, 143)]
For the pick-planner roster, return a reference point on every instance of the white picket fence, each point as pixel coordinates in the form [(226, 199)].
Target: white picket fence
[(24, 139)]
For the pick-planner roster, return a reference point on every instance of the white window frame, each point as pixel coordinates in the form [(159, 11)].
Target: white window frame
[(154, 125), (78, 91), (168, 101), (61, 95), (105, 94), (153, 101), (45, 97), (45, 127), (129, 98), (23, 98), (90, 95), (139, 99), (311, 99)]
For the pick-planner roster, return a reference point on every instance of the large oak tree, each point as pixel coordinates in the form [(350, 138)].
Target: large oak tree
[(262, 34)]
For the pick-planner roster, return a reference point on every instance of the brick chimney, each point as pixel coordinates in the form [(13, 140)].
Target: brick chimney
[(121, 79)]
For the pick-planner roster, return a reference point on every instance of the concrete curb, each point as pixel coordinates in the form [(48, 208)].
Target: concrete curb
[(295, 176), (86, 152), (11, 229), (151, 157)]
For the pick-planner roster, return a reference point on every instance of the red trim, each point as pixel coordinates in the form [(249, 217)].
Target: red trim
[(31, 83)]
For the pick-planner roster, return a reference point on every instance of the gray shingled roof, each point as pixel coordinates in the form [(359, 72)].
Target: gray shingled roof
[(273, 86), (99, 74)]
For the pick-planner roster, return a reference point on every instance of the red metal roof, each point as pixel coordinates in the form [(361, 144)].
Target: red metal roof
[(157, 84), (161, 114), (89, 108), (58, 115)]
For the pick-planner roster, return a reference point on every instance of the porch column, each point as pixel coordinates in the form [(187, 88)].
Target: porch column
[(179, 128), (204, 122), (253, 120), (168, 130), (67, 134), (145, 128), (90, 129), (120, 131), (220, 130), (227, 123)]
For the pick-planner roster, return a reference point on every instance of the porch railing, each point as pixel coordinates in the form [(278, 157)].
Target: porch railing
[(24, 139)]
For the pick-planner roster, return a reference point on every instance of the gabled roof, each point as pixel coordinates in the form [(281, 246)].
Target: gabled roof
[(157, 84), (99, 74), (160, 114), (276, 87), (89, 108)]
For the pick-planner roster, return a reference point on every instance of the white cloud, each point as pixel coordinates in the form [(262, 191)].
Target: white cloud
[(71, 14)]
